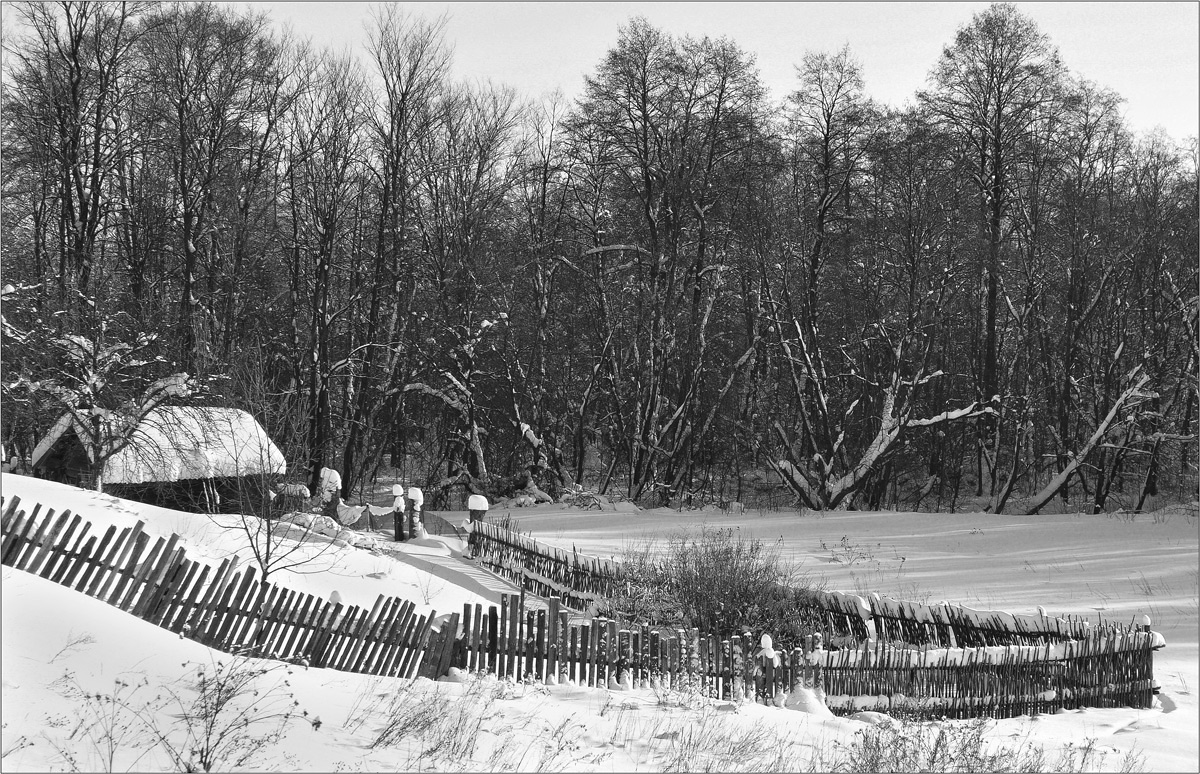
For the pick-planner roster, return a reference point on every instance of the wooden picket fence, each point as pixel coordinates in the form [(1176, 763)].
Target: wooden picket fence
[(580, 581), (227, 609)]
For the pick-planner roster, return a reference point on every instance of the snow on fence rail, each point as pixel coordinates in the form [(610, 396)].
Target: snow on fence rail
[(999, 682), (944, 625), (229, 610)]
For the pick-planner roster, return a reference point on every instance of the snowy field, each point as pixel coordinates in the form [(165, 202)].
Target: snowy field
[(62, 650)]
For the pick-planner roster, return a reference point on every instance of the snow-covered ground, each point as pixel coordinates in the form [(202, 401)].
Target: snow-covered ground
[(61, 650)]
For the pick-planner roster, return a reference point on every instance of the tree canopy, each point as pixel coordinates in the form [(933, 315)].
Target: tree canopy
[(674, 287)]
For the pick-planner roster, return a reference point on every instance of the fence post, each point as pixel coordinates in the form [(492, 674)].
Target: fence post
[(514, 635), (553, 636), (475, 652), (504, 637), (541, 655), (493, 649)]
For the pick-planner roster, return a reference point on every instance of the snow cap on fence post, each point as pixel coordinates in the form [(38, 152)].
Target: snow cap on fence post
[(417, 498), (1157, 641), (477, 504), (766, 650), (868, 617)]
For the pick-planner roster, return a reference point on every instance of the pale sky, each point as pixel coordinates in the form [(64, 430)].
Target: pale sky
[(1148, 52)]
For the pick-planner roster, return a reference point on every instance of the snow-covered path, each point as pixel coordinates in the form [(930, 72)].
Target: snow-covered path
[(459, 572)]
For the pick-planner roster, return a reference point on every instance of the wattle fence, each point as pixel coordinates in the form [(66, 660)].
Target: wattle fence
[(1113, 670), (583, 581), (230, 610)]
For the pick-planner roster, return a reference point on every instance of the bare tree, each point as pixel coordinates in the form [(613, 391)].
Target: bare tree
[(67, 100), (103, 390), (991, 85), (667, 122), (276, 540), (324, 175), (465, 174), (410, 59), (219, 71)]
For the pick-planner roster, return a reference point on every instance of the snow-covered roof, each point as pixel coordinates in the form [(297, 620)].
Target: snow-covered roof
[(184, 442), (48, 441)]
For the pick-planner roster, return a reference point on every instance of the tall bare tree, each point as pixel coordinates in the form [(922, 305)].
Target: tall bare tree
[(410, 61), (991, 85)]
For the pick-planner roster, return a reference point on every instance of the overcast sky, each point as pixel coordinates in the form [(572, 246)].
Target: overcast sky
[(1147, 52)]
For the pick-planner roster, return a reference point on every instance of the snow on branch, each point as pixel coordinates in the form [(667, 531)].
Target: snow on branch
[(421, 387), (922, 380), (1042, 497), (607, 248), (974, 410)]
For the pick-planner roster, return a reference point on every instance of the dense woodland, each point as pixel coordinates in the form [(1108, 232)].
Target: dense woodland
[(673, 287)]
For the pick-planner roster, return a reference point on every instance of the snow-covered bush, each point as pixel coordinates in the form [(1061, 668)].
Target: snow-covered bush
[(323, 525), (365, 541), (298, 518)]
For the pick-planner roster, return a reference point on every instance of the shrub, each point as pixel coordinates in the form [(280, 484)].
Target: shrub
[(721, 582), (952, 746), (228, 713)]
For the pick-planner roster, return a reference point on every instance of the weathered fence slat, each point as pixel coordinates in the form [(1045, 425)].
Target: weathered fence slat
[(178, 614), (60, 552), (380, 618), (242, 632), (95, 556), (139, 570), (410, 650), (417, 650), (405, 625), (29, 543), (77, 559), (162, 586), (157, 577), (387, 641), (271, 638), (235, 609), (10, 513), (15, 532), (124, 570)]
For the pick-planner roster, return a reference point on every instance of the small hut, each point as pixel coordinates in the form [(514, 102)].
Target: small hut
[(216, 460)]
